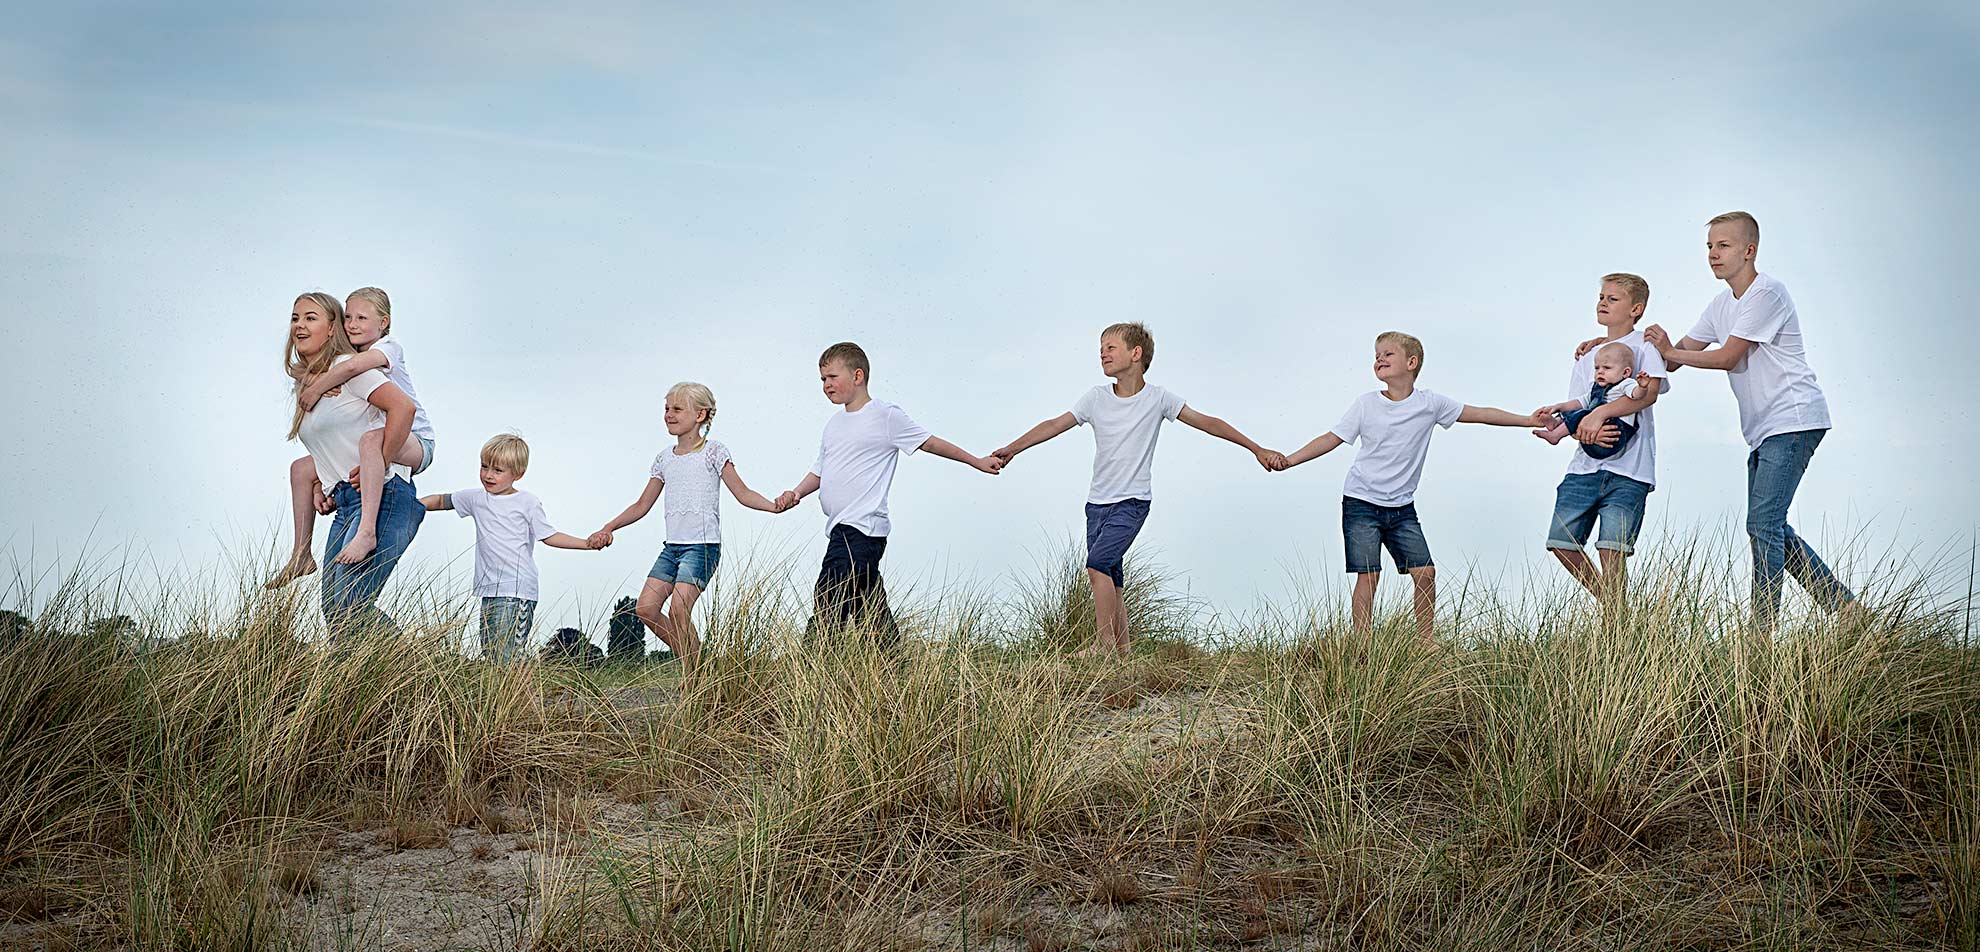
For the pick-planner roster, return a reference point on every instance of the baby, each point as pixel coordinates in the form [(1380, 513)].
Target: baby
[(1615, 379)]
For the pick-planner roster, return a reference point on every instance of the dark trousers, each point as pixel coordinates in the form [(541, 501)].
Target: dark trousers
[(849, 591)]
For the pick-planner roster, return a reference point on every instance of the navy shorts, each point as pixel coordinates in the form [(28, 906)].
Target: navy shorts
[(1368, 528), (1110, 529), (1618, 500)]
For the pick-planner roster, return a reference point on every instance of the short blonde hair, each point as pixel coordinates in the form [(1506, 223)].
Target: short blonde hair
[(507, 451), (379, 301), (1745, 221), (1135, 334), (1632, 285), (1411, 347), (1614, 347), (698, 397), (850, 354)]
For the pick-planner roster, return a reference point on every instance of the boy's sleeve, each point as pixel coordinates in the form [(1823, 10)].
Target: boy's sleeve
[(466, 501), (1172, 404), (907, 434), (818, 465), (1448, 410), (1648, 361), (1084, 407), (1349, 428), (1760, 317), (539, 522), (1704, 331)]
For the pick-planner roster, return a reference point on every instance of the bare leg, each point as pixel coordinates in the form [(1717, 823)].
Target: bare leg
[(302, 510), (653, 598), (371, 489), (1584, 571), (680, 611), (1615, 582), (1426, 603), (1555, 433), (1364, 602), (1106, 612)]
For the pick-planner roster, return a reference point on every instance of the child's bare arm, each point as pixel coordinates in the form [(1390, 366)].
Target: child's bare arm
[(632, 514), (564, 540), (338, 375), (1319, 446), (947, 450), (791, 497), (1493, 416), (1036, 435), (438, 502), (745, 495), (1217, 427)]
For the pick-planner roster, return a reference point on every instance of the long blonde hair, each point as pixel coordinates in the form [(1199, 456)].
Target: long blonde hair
[(300, 369), (699, 397)]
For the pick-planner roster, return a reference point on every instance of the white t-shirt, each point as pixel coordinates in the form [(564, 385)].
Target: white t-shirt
[(395, 371), (692, 492), (856, 460), (506, 531), (1391, 438), (331, 429), (1124, 433), (1774, 385), (1638, 460)]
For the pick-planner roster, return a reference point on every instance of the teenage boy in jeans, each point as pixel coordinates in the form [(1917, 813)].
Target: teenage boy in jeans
[(854, 471), (1616, 489), (1127, 417), (1782, 412)]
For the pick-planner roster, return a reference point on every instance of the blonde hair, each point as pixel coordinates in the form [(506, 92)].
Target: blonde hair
[(507, 451), (299, 368), (848, 353), (1135, 334), (379, 301), (1628, 355), (1746, 222), (699, 398), (1632, 285), (1411, 347)]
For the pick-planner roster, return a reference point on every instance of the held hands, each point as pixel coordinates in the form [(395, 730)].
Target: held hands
[(1273, 460), (599, 539), (991, 464), (785, 501), (1004, 454)]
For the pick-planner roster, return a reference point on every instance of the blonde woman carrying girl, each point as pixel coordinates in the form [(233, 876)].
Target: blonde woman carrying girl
[(691, 472)]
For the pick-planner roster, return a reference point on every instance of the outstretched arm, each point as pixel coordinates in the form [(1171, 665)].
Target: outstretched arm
[(1493, 416), (437, 502), (1036, 435), (947, 450), (1218, 428), (633, 513), (339, 374), (564, 540), (1687, 352), (1319, 446), (745, 495)]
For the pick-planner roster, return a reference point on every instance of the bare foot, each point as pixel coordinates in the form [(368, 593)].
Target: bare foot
[(1094, 650), (1549, 436), (358, 548), (300, 564)]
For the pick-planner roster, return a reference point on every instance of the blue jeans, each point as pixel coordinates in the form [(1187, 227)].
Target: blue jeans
[(1773, 473), (505, 624), (1581, 497), (686, 563), (1110, 529), (1367, 528), (350, 592)]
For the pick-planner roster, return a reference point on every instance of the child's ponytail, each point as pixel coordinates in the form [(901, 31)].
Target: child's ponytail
[(699, 399)]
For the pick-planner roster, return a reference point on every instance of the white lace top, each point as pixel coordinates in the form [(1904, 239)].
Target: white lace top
[(692, 492)]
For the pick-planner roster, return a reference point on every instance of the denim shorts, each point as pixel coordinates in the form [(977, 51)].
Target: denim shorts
[(686, 563), (425, 454), (505, 624), (1618, 500), (1368, 528), (1110, 529)]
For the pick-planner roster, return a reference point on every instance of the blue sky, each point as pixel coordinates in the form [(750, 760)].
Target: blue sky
[(573, 210)]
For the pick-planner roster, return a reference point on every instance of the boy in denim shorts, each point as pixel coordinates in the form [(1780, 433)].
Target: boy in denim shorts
[(1612, 489), (1391, 428), (508, 523), (1127, 417)]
